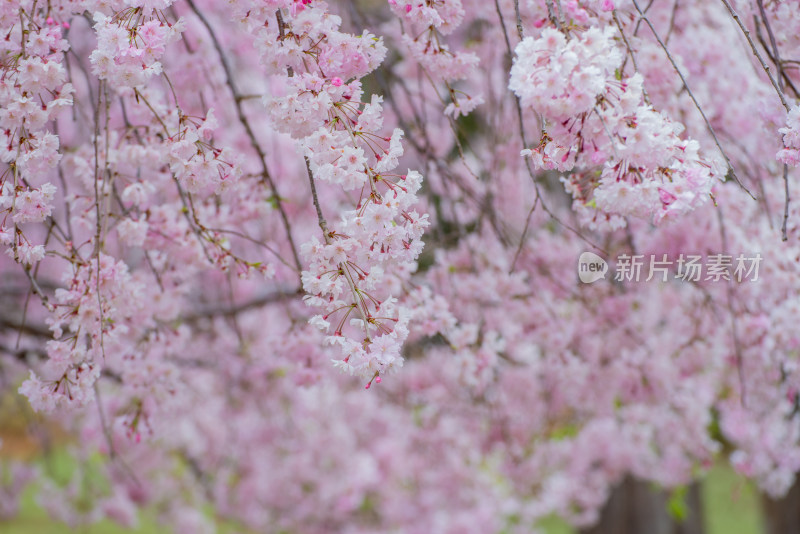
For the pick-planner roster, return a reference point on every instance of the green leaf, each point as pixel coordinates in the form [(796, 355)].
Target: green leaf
[(564, 432), (676, 506)]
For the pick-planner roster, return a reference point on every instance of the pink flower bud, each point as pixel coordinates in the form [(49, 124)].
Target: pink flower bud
[(666, 197)]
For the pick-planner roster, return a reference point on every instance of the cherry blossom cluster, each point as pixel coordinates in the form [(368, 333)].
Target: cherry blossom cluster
[(167, 153), (89, 317), (561, 78), (429, 23), (362, 260), (130, 44), (790, 154), (33, 90), (626, 158)]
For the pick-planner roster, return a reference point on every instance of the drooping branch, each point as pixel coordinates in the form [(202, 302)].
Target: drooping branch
[(237, 99), (697, 105)]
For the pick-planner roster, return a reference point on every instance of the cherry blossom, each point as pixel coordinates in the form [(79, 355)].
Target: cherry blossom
[(307, 266)]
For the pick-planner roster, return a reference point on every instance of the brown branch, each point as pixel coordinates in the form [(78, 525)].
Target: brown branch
[(237, 100), (20, 354), (25, 327), (231, 311)]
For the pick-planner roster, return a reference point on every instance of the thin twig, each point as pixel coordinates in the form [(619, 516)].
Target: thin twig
[(343, 268), (237, 100), (746, 33), (112, 453), (323, 224), (691, 95), (783, 79), (519, 20), (786, 201), (555, 19), (630, 52), (531, 174), (776, 57), (524, 235), (37, 290), (282, 36), (773, 43), (737, 347)]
